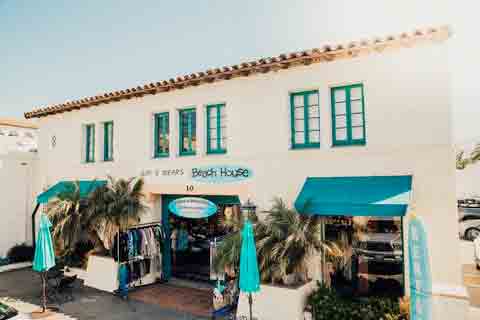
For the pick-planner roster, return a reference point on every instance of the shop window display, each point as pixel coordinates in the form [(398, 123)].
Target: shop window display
[(194, 242), (369, 259)]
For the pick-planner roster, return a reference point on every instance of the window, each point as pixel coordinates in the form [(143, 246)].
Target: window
[(108, 141), (372, 261), (90, 143), (162, 135), (348, 115), (305, 117), (216, 129), (188, 132)]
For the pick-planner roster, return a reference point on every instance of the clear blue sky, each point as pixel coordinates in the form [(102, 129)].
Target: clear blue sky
[(57, 50)]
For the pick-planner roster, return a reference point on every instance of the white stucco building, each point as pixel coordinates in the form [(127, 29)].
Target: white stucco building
[(377, 108), (18, 146)]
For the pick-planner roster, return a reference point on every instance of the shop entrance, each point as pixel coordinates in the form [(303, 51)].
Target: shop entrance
[(191, 242)]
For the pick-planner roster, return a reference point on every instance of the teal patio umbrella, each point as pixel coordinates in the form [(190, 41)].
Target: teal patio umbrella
[(249, 275), (44, 255)]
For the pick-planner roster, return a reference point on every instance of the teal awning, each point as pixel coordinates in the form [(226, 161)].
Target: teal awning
[(86, 186), (355, 196)]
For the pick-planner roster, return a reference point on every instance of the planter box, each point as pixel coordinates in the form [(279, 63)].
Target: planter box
[(15, 266), (275, 302)]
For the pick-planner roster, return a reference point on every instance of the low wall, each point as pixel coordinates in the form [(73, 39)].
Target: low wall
[(273, 303)]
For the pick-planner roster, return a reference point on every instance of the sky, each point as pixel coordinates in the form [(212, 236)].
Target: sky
[(52, 51)]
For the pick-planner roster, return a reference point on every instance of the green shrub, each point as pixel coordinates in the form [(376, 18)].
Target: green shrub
[(326, 304), (20, 253)]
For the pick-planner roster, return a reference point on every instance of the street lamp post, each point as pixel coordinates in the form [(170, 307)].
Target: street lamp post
[(248, 209)]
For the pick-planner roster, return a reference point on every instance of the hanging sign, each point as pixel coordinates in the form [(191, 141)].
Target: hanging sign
[(193, 208), (420, 274), (221, 174)]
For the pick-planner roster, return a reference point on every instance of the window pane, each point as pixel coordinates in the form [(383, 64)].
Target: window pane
[(340, 95), (299, 113), (355, 93), (313, 99), (313, 124), (357, 119), (299, 137), (213, 134), (357, 133), (340, 108), (300, 125), (298, 100), (213, 144), (356, 106), (314, 136), (340, 121), (341, 134), (213, 122), (314, 112)]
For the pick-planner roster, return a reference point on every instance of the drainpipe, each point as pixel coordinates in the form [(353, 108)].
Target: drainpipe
[(33, 224)]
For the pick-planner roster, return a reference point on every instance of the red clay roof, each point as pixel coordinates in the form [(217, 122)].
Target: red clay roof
[(284, 61)]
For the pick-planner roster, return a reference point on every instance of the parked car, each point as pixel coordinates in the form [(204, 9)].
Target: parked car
[(469, 227), (7, 312), (468, 211)]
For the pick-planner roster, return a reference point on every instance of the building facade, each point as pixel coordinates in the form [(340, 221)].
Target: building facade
[(368, 109), (17, 135)]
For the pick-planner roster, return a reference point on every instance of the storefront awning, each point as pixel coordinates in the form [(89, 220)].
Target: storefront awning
[(355, 196), (86, 186)]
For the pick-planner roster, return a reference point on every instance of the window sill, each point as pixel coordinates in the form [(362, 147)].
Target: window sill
[(306, 146), (213, 152), (108, 160), (187, 154), (161, 156), (349, 144)]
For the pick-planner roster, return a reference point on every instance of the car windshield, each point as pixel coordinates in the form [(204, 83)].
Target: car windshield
[(7, 312)]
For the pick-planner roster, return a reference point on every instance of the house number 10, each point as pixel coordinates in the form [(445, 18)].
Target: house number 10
[(189, 188)]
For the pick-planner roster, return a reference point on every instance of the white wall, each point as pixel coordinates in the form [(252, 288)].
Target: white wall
[(408, 124), (16, 198)]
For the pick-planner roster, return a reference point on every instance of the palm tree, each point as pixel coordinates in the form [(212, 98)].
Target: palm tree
[(228, 253), (462, 161), (287, 242), (116, 206), (97, 218), (475, 155), (67, 214)]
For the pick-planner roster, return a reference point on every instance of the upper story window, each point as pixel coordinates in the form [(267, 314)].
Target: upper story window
[(161, 135), (188, 131), (108, 141), (348, 115), (89, 143), (216, 129), (305, 118)]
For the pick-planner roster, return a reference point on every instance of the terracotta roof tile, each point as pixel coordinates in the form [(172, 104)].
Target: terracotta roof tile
[(326, 53)]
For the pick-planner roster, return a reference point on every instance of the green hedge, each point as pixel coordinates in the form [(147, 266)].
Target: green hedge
[(328, 305)]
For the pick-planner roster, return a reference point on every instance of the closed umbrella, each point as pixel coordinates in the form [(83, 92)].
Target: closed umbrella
[(44, 255), (249, 275)]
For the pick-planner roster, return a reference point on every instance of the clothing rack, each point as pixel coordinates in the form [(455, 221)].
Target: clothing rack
[(145, 225), (136, 258)]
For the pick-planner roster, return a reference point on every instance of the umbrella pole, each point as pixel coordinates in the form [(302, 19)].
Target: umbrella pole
[(250, 302), (44, 292)]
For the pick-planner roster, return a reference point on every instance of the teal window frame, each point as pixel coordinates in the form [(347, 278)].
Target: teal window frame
[(90, 143), (191, 131), (306, 118), (162, 129), (349, 141), (108, 141), (220, 126)]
